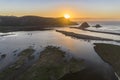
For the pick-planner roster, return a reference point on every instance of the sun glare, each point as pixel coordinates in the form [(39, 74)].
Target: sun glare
[(67, 16)]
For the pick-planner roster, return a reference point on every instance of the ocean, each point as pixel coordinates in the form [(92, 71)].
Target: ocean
[(107, 26)]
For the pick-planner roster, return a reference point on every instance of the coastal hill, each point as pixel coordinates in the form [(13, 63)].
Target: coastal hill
[(14, 23)]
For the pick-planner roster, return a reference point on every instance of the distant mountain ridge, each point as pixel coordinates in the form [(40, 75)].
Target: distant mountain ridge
[(30, 23)]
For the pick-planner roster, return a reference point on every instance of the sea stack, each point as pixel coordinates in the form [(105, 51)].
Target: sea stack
[(84, 25), (97, 26)]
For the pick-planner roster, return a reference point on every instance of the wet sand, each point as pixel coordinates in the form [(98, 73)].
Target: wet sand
[(96, 31), (85, 37)]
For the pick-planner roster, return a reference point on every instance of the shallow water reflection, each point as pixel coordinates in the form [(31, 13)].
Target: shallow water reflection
[(38, 40)]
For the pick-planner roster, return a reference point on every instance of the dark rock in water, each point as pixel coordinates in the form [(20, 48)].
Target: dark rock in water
[(3, 56), (14, 55), (97, 26), (31, 57), (84, 25), (17, 67)]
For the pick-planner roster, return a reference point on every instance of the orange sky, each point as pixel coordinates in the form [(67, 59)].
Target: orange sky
[(57, 8)]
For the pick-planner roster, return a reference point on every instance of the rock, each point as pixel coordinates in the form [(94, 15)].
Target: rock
[(18, 67), (31, 57), (84, 25), (97, 26), (3, 56)]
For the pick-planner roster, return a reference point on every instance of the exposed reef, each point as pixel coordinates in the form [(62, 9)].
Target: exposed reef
[(51, 65)]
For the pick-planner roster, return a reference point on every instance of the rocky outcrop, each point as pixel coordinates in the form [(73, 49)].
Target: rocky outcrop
[(84, 25), (3, 56), (97, 26)]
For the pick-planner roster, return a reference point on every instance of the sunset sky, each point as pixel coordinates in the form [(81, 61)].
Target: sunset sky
[(57, 8)]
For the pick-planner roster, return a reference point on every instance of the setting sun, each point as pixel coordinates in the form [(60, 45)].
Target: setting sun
[(67, 16)]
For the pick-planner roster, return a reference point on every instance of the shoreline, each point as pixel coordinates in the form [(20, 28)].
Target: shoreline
[(86, 37), (95, 31), (110, 54)]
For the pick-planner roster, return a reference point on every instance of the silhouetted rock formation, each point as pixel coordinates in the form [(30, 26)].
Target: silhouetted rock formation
[(97, 26), (3, 56), (84, 25)]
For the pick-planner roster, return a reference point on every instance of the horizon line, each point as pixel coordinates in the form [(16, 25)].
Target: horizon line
[(60, 17)]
